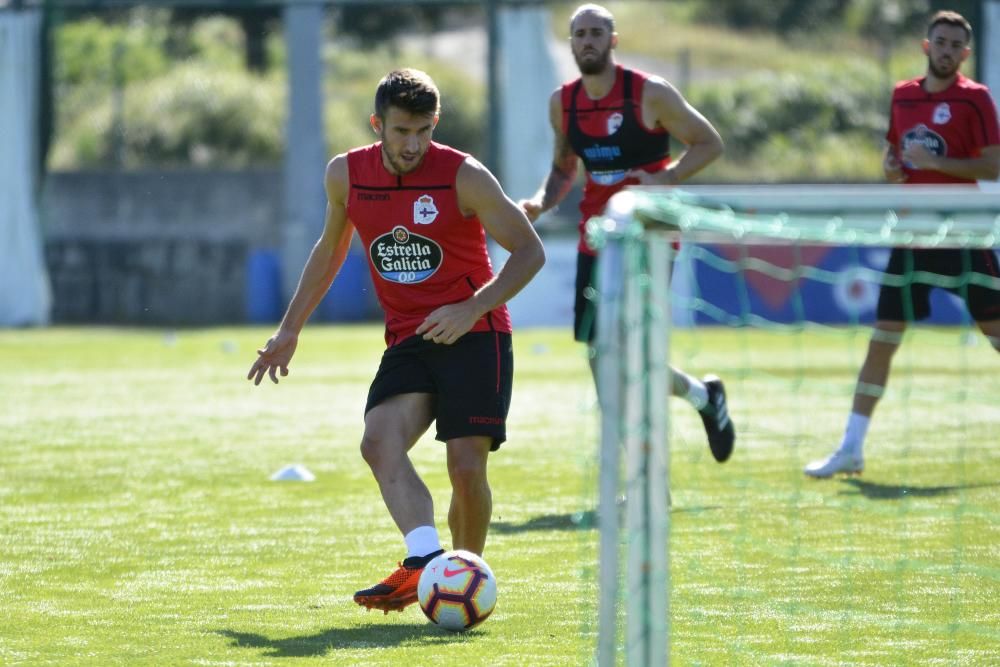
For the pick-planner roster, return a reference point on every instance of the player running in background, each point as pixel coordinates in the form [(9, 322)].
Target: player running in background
[(619, 121), (942, 129), (421, 209)]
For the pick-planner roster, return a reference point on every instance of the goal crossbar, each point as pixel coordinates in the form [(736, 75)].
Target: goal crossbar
[(877, 215)]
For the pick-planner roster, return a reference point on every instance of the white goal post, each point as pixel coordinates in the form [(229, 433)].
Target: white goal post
[(632, 346)]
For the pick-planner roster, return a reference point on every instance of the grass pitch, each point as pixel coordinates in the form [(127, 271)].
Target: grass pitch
[(138, 524)]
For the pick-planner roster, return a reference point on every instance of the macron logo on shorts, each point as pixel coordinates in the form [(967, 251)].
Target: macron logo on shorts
[(486, 420)]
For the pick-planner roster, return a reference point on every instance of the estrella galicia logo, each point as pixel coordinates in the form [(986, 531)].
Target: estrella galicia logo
[(931, 140), (401, 256)]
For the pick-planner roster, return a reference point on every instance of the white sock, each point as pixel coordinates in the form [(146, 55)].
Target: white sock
[(697, 393), (854, 434), (421, 541)]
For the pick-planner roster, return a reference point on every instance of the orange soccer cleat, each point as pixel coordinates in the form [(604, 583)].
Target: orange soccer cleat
[(399, 589)]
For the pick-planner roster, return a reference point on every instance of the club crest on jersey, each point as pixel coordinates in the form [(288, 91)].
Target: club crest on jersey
[(942, 114), (614, 122), (401, 256), (931, 140), (424, 210)]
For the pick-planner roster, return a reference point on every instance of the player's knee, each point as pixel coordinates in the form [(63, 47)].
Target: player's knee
[(466, 468), (470, 484), (885, 339), (466, 472), (373, 450)]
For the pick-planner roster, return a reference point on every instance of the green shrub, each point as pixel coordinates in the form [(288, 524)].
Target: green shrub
[(218, 40), (351, 77), (91, 50), (208, 116), (195, 114), (824, 126)]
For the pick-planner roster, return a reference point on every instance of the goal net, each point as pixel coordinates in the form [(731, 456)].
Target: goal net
[(889, 567)]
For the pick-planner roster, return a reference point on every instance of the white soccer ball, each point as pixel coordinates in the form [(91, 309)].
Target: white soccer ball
[(457, 590)]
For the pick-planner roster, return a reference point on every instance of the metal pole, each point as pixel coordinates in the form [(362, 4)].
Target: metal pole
[(494, 91), (305, 152), (658, 330), (635, 435), (610, 354)]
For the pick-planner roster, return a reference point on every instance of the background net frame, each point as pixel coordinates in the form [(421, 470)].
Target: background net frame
[(635, 239)]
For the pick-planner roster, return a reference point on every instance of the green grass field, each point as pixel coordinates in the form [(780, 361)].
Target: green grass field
[(138, 524)]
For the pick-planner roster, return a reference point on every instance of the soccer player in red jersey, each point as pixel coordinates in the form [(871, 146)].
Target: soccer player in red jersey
[(942, 129), (618, 122), (423, 210)]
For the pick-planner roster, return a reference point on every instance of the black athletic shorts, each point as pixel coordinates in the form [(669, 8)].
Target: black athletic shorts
[(895, 301), (585, 306), (470, 380)]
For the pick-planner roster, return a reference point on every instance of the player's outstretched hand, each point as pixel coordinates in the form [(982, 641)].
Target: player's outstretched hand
[(275, 355)]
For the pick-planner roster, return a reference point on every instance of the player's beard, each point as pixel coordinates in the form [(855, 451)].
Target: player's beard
[(395, 161), (944, 72), (595, 66)]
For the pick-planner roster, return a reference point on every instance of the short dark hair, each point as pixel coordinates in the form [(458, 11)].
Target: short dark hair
[(408, 89), (599, 11), (950, 18)]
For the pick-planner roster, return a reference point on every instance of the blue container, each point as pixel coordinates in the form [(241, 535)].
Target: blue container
[(263, 287), (351, 297)]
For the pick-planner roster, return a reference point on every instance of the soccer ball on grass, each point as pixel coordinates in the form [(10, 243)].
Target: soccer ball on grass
[(457, 590)]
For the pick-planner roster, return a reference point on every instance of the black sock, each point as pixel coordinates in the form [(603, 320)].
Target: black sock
[(414, 562)]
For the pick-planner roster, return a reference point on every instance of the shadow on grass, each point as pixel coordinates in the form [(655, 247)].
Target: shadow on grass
[(329, 641), (575, 521), (877, 491)]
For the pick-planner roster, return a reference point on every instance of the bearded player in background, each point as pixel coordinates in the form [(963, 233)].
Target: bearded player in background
[(618, 121), (942, 129)]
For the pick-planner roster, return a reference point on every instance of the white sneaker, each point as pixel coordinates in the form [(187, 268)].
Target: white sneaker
[(841, 461)]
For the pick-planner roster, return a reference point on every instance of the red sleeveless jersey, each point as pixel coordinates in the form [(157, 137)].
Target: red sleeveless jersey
[(423, 253), (957, 122), (608, 135)]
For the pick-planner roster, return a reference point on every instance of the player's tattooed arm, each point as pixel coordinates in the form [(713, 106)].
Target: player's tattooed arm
[(562, 174), (564, 165)]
